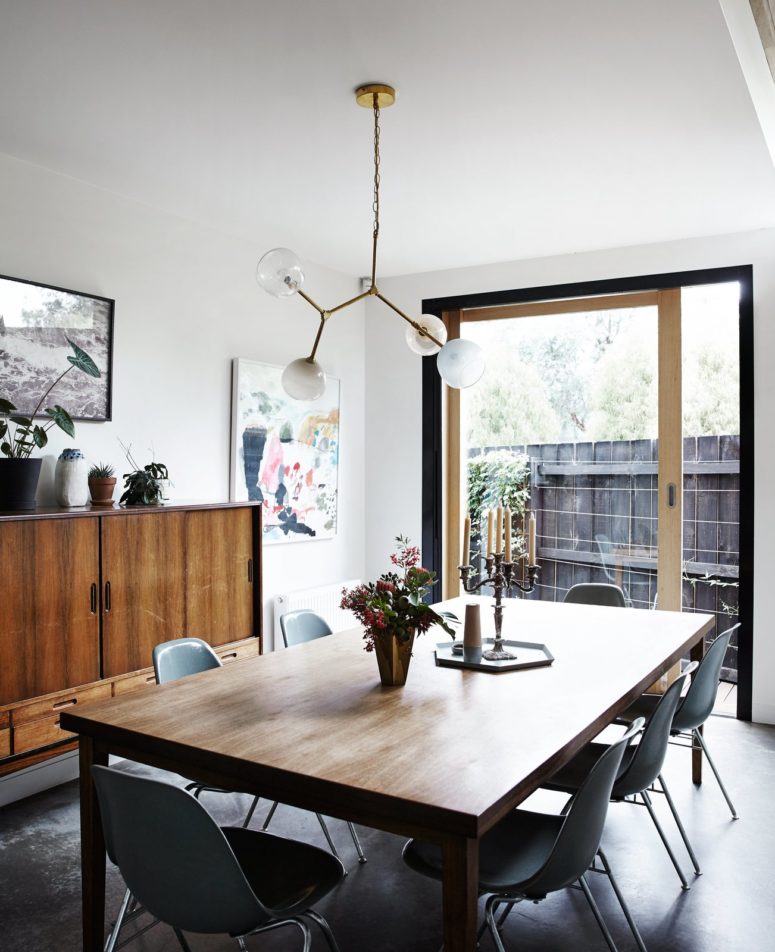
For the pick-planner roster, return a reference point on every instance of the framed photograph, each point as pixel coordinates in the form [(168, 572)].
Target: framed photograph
[(285, 453), (35, 322)]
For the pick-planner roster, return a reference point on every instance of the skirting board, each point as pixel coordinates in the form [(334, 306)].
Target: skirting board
[(40, 777)]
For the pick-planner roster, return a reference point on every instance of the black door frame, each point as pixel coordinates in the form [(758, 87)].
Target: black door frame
[(432, 487)]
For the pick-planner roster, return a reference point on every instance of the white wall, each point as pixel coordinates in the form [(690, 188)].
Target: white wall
[(393, 394), (186, 304)]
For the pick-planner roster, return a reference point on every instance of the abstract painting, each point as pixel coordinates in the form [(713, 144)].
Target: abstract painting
[(35, 322), (284, 453)]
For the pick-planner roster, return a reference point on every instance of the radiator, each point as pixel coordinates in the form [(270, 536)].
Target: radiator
[(323, 600)]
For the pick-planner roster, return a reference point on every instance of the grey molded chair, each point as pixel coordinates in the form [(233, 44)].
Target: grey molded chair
[(180, 658), (298, 627), (199, 877), (303, 625), (529, 855), (595, 593), (641, 768), (695, 707)]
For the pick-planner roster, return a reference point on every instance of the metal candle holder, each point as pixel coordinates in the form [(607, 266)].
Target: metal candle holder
[(501, 575)]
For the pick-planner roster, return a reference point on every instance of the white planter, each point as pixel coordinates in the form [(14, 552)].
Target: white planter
[(71, 479)]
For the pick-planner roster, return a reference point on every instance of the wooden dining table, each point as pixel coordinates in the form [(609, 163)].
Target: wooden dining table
[(443, 758)]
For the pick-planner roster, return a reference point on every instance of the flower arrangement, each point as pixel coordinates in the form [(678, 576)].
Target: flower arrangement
[(393, 605)]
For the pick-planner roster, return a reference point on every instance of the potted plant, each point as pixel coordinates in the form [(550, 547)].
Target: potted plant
[(143, 487), (392, 611), (102, 482), (20, 436)]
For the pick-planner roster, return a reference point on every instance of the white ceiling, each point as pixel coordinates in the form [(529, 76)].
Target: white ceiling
[(522, 127)]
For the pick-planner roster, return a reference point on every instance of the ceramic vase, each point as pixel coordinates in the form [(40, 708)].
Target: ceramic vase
[(71, 479)]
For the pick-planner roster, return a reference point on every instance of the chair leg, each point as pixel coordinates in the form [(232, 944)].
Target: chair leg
[(251, 811), (357, 843), (327, 835), (698, 736), (269, 816), (625, 908), (647, 800), (506, 911), (113, 937), (182, 940), (680, 826), (325, 928), (597, 914), (489, 918)]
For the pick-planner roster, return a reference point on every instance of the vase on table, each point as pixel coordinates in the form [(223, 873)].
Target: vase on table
[(393, 657)]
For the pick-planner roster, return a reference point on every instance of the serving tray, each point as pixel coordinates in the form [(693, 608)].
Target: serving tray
[(529, 654)]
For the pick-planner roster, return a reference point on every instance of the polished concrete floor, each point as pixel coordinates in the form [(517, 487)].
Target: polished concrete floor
[(384, 907)]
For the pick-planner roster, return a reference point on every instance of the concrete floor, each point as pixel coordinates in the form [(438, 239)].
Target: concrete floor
[(384, 907)]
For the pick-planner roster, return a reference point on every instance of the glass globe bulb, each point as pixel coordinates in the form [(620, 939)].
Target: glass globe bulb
[(460, 363), (421, 344), (303, 379), (279, 272)]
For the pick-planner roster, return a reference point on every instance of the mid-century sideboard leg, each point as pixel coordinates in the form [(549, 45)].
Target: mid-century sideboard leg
[(460, 893), (697, 652), (92, 851)]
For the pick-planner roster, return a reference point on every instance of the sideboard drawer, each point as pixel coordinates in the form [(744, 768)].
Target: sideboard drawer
[(5, 742), (238, 651), (54, 704), (135, 682)]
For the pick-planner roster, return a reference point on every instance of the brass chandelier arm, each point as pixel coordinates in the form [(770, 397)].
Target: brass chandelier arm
[(308, 299), (323, 319), (375, 202), (418, 327), (358, 297)]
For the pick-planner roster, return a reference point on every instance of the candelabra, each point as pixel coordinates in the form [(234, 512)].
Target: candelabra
[(501, 575)]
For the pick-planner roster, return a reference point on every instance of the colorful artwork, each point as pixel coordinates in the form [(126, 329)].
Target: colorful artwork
[(285, 453)]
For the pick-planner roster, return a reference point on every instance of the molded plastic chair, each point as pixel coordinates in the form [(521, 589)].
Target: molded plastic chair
[(180, 658), (641, 768), (298, 627), (194, 875), (595, 593), (695, 707), (529, 855), (303, 625)]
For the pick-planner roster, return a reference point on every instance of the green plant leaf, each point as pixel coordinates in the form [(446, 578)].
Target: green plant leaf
[(39, 435), (5, 449), (3, 427), (21, 420), (61, 417), (6, 406), (82, 360)]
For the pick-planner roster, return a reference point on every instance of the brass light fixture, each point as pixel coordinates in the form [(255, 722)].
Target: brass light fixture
[(460, 362)]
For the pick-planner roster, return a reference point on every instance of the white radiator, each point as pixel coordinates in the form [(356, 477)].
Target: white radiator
[(323, 600)]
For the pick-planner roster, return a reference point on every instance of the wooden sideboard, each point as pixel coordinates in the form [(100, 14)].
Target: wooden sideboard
[(87, 593)]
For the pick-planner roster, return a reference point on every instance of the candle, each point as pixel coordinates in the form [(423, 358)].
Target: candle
[(489, 532), (507, 555), (531, 540), (498, 529), (466, 541)]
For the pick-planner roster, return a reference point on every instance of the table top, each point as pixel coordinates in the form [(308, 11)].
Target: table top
[(450, 752)]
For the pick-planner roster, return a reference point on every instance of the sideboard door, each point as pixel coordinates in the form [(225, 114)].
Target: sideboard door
[(220, 574), (49, 613), (143, 587)]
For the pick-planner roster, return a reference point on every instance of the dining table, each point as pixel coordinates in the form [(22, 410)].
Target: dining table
[(442, 758)]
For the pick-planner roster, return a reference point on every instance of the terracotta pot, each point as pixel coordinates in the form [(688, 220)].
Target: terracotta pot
[(101, 489), (19, 483), (393, 657)]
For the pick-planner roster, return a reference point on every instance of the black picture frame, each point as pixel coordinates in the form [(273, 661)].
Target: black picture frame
[(35, 321)]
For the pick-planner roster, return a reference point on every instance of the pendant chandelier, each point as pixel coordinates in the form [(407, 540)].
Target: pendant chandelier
[(460, 362)]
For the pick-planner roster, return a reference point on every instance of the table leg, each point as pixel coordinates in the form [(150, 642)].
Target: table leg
[(92, 851), (460, 893), (697, 652)]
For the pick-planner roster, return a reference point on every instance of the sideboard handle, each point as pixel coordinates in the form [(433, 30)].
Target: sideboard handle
[(93, 598), (250, 571), (107, 596)]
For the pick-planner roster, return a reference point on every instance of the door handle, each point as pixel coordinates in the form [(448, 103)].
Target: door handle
[(93, 598), (107, 596), (671, 495), (250, 571)]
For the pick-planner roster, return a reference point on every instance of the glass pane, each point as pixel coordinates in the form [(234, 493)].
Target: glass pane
[(567, 411), (711, 412)]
